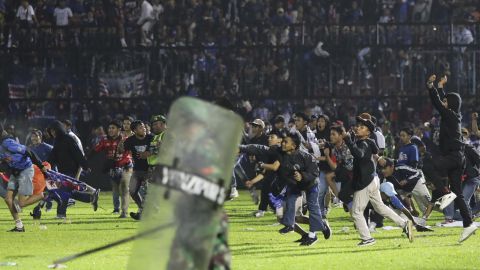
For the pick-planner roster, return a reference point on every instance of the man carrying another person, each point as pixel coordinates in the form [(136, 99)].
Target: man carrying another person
[(19, 162)]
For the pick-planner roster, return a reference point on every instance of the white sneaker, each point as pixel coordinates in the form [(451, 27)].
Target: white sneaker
[(234, 193), (446, 200), (341, 81), (467, 232), (259, 213)]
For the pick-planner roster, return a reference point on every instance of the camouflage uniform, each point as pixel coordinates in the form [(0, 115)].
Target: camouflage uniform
[(221, 258)]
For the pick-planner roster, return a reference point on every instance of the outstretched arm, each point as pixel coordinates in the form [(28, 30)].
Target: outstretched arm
[(434, 94)]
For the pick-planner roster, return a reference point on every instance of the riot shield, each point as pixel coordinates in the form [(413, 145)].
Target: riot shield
[(187, 190)]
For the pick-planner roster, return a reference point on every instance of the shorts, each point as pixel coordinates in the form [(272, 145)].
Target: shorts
[(3, 189), (22, 182)]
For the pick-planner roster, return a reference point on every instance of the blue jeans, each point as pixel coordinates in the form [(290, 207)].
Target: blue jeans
[(289, 213), (322, 191), (314, 213), (468, 191), (315, 217)]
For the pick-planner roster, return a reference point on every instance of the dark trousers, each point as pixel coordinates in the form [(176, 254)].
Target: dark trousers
[(77, 195), (453, 165), (266, 188), (371, 214)]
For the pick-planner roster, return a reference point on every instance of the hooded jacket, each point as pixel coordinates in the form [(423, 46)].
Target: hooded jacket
[(66, 154), (450, 139), (472, 168)]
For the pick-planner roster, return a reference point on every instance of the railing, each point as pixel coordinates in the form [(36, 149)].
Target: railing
[(381, 60), (262, 34)]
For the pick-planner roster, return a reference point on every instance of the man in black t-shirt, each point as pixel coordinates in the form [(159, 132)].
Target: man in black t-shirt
[(138, 146)]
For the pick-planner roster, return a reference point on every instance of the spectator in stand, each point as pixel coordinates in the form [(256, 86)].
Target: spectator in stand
[(26, 15), (280, 18), (119, 21), (146, 22), (62, 14), (44, 16), (353, 14)]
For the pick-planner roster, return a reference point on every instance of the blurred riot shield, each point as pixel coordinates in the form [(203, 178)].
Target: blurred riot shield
[(187, 190)]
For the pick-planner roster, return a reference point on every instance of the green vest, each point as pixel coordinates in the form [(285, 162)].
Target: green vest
[(154, 149)]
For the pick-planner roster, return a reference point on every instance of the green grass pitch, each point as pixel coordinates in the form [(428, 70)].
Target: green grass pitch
[(255, 242)]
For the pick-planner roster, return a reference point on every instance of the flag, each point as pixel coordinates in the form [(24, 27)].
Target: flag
[(16, 91)]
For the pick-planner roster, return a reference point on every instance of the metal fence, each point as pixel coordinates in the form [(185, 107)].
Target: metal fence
[(253, 62)]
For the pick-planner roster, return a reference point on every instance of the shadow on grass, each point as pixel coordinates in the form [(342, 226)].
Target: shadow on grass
[(327, 250), (17, 257)]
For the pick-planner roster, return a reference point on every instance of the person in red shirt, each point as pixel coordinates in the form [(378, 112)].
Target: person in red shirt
[(118, 166)]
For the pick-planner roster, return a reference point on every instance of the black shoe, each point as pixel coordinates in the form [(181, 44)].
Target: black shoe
[(421, 228), (301, 240), (95, 199), (367, 242), (136, 216), (37, 212), (17, 229), (285, 229), (327, 232), (309, 241)]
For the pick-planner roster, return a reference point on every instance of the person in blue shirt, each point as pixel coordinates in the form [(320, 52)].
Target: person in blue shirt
[(40, 148), (19, 161), (408, 152)]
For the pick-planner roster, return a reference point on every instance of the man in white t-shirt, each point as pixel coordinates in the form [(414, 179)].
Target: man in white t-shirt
[(26, 14), (146, 22), (62, 14)]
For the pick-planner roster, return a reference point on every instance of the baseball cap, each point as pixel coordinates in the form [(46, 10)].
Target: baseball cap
[(388, 189), (258, 122), (366, 119)]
